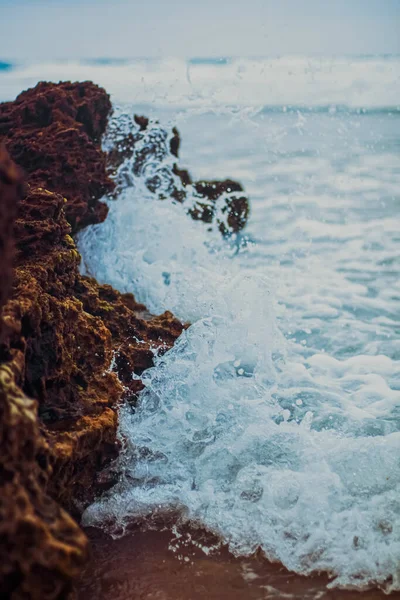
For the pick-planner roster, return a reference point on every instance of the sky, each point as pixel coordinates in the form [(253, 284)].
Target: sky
[(71, 29)]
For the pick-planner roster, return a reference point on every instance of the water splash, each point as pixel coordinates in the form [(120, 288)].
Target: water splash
[(264, 423), (354, 82)]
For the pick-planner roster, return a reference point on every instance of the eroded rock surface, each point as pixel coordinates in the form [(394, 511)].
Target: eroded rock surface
[(53, 132), (141, 150), (68, 346), (10, 192), (42, 548)]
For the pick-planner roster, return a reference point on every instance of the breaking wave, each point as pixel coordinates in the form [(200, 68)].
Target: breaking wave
[(302, 81), (274, 421)]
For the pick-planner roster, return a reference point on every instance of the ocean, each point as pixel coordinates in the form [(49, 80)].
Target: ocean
[(274, 422)]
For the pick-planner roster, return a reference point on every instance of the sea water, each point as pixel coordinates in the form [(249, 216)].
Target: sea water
[(275, 420)]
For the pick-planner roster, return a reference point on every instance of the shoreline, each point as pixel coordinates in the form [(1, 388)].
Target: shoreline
[(157, 565)]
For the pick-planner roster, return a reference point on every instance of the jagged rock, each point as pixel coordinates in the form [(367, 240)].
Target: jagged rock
[(225, 201), (53, 133), (42, 548), (66, 331), (71, 349), (140, 148), (10, 192), (136, 333), (64, 351), (68, 343)]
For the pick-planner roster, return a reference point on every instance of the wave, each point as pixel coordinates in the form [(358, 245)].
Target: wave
[(209, 61), (247, 432), (331, 109), (356, 82)]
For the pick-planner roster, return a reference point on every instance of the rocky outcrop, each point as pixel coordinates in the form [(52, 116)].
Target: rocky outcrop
[(78, 344), (141, 149), (64, 353), (53, 132), (71, 349), (42, 548), (10, 192), (223, 201), (68, 346)]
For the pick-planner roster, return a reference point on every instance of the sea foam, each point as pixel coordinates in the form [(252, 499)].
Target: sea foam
[(250, 426), (355, 82)]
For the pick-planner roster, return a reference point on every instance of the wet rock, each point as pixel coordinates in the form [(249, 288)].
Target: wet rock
[(224, 201), (140, 148), (136, 334), (71, 349), (53, 133), (77, 344), (42, 548), (10, 192), (68, 346)]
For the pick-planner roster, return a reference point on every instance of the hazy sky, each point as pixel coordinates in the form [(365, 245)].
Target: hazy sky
[(33, 29)]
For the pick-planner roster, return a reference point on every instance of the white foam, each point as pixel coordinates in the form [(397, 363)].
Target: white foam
[(274, 420), (317, 491), (356, 82)]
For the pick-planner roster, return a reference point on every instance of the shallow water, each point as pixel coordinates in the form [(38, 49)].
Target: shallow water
[(162, 565), (275, 420)]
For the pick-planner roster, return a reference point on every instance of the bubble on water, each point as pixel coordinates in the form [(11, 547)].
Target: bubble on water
[(269, 442)]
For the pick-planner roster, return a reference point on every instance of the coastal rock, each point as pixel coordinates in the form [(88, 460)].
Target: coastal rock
[(78, 344), (71, 349), (53, 132), (10, 192), (224, 201), (141, 149), (136, 333), (68, 346), (42, 548), (63, 351)]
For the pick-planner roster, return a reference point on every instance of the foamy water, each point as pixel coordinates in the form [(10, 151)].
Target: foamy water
[(274, 421), (358, 82)]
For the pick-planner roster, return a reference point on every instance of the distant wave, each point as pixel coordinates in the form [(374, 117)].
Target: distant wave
[(354, 83), (104, 61), (332, 109), (5, 66), (209, 61)]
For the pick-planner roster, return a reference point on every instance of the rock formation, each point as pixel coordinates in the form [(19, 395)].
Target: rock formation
[(53, 132), (69, 346), (42, 548), (142, 148), (10, 192)]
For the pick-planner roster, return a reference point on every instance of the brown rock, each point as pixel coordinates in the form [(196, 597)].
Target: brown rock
[(65, 330), (233, 210), (71, 349), (53, 133), (68, 343), (10, 191), (136, 334), (42, 549), (150, 152)]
